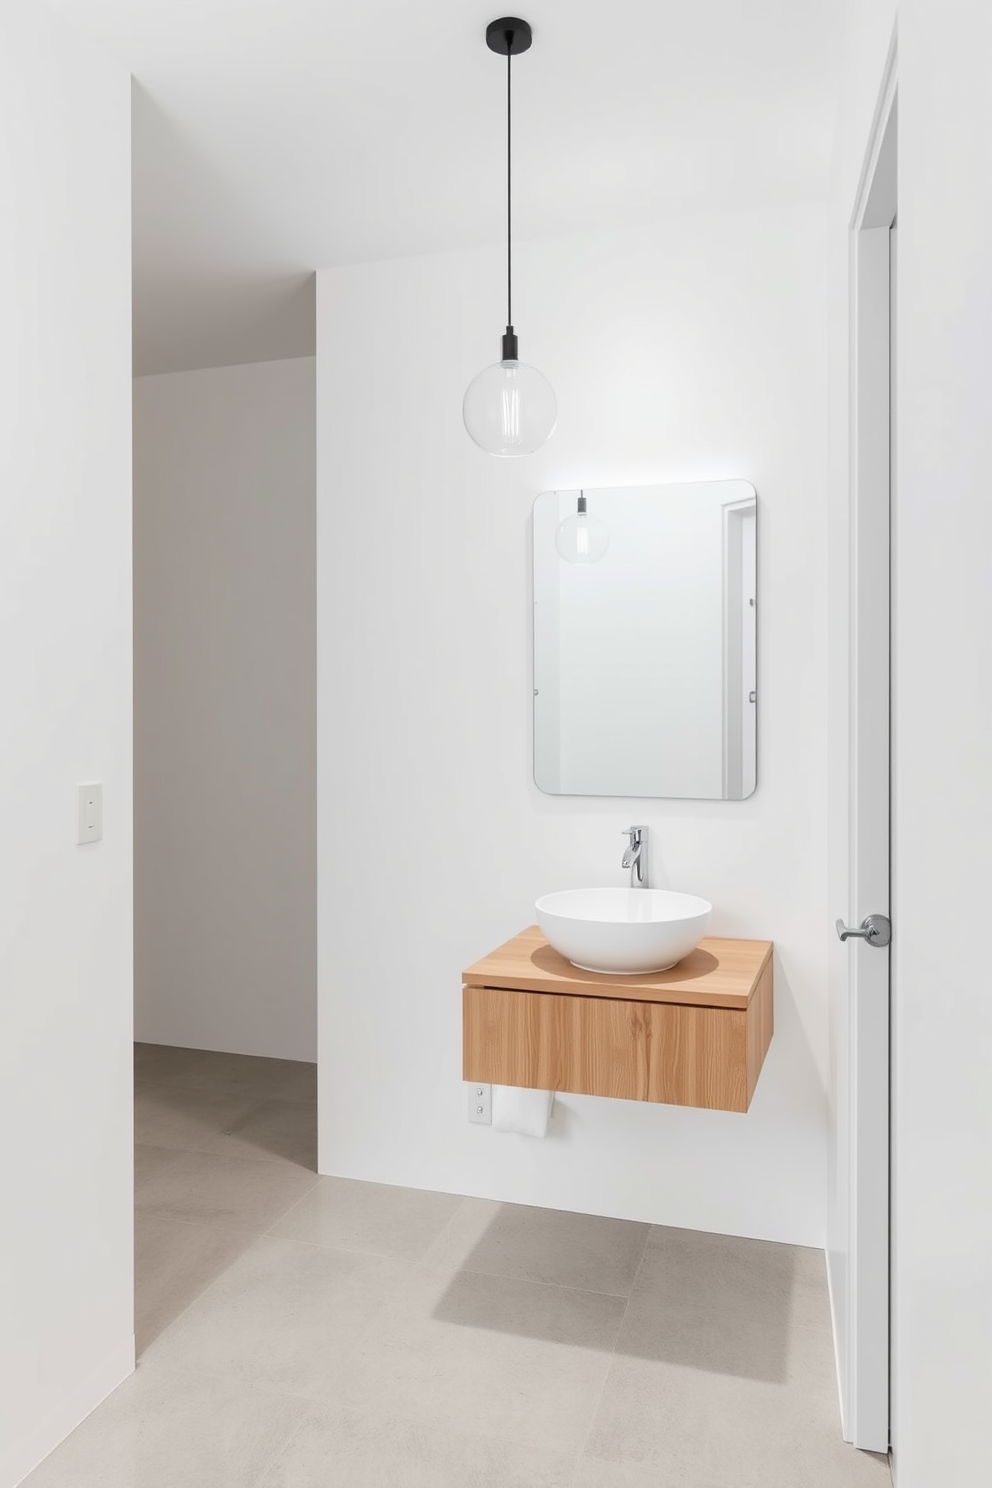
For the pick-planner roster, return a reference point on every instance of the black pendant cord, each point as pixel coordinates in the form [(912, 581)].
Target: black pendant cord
[(509, 339), (508, 37), (509, 198)]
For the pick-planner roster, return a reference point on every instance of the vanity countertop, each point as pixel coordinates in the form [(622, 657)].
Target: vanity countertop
[(718, 973)]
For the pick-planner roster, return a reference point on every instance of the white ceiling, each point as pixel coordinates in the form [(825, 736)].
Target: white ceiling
[(273, 137)]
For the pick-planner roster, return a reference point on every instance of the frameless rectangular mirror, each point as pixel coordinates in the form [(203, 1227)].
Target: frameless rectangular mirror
[(645, 641)]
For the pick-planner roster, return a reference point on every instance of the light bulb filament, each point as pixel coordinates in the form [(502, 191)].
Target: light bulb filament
[(510, 415)]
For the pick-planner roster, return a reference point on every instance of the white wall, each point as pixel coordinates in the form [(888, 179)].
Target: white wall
[(942, 782), (225, 709), (692, 351), (66, 1330)]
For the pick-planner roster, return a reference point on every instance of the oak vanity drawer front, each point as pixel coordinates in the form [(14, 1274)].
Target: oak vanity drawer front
[(688, 1056)]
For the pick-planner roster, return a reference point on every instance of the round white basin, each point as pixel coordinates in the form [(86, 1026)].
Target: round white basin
[(626, 932)]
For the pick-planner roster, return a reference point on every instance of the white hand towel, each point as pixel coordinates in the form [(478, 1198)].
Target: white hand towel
[(526, 1112)]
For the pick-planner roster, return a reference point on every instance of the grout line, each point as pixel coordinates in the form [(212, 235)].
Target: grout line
[(253, 1156), (159, 1147), (613, 1353), (467, 1267), (238, 1157), (594, 1412), (294, 1205), (264, 1391), (199, 1224), (197, 1297), (252, 1106), (560, 1286), (254, 1238), (640, 1264), (423, 1261)]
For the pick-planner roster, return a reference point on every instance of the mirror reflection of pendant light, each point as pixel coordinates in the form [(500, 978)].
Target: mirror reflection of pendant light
[(582, 538), (510, 408)]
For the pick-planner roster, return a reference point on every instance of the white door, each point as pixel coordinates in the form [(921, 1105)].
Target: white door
[(858, 1247)]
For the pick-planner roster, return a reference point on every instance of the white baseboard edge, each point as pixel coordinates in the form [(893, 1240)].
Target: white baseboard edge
[(83, 1398)]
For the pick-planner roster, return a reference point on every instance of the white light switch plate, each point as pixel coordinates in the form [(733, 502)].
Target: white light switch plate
[(90, 812)]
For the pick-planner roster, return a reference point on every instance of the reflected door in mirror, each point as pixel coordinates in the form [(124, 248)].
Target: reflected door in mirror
[(645, 631)]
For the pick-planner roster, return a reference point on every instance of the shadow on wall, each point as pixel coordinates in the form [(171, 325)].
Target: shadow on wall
[(714, 1303)]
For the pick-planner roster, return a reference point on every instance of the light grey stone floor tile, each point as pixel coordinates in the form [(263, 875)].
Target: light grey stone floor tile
[(519, 1360), (183, 1119), (708, 1430), (592, 1474), (155, 1062), (342, 1449), (271, 1131), (836, 1465), (160, 1430), (563, 1249), (284, 1316), (464, 1231), (369, 1217), (173, 1263), (208, 1188), (231, 1074), (726, 1305), (726, 1270), (149, 1162)]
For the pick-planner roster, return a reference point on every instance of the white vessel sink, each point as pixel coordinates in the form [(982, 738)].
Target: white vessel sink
[(626, 932)]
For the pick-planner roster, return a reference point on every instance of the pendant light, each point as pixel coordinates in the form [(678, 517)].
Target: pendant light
[(510, 408), (581, 538)]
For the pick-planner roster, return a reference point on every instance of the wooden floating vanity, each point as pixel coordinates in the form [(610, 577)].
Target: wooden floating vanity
[(695, 1035)]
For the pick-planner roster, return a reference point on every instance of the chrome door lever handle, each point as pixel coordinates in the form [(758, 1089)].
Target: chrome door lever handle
[(876, 929)]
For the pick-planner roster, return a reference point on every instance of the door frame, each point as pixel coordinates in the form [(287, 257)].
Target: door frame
[(859, 1228)]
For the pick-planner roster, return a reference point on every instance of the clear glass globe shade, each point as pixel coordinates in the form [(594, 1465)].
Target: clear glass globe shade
[(582, 538), (510, 409)]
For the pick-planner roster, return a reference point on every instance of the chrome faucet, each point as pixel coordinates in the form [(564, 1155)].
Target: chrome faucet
[(636, 856)]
